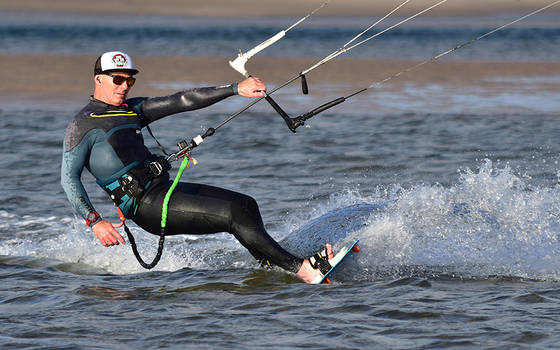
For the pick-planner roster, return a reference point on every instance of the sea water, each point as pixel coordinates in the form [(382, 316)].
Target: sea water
[(454, 196), (536, 38)]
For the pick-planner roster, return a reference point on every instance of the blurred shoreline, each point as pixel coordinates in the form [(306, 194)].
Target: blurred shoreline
[(248, 8), (28, 77), (64, 77)]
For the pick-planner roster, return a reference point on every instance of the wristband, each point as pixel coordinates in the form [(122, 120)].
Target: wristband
[(92, 218)]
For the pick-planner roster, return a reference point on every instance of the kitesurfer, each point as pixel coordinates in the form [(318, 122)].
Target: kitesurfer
[(105, 137)]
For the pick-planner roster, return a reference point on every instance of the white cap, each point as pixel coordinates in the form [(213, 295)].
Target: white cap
[(114, 61)]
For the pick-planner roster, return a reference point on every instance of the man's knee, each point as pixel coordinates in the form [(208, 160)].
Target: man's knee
[(245, 211)]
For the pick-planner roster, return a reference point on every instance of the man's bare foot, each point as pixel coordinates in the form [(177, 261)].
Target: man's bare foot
[(310, 275)]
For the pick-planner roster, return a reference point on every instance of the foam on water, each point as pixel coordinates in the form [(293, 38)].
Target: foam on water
[(67, 240), (491, 223)]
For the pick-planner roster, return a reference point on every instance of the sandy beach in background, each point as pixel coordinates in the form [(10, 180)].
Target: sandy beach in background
[(59, 76), (69, 76), (249, 8)]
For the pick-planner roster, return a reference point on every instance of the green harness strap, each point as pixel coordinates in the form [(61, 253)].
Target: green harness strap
[(184, 164)]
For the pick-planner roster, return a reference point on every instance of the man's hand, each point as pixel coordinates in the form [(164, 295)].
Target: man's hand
[(251, 87), (106, 233)]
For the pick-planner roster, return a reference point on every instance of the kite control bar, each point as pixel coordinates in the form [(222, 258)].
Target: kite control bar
[(294, 123)]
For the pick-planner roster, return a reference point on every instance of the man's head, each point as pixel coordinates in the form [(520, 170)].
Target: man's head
[(113, 77)]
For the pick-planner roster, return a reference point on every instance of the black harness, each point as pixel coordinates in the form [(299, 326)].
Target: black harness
[(136, 180)]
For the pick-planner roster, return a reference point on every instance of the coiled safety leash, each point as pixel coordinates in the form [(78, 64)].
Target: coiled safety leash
[(184, 164)]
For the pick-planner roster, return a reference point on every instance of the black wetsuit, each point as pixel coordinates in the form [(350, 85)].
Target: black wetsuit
[(107, 140)]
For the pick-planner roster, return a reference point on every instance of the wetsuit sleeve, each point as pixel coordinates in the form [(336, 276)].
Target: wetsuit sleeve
[(73, 163), (187, 100)]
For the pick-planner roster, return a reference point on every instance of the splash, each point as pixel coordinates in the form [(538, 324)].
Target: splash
[(491, 223), (60, 242)]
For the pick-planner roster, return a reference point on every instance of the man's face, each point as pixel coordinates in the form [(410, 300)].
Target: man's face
[(111, 88)]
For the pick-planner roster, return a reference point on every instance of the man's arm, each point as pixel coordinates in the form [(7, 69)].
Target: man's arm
[(73, 163), (188, 100), (158, 107)]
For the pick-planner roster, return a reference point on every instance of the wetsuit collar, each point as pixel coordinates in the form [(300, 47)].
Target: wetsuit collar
[(99, 102)]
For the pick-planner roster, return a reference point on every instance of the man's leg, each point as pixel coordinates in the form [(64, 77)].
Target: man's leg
[(203, 209)]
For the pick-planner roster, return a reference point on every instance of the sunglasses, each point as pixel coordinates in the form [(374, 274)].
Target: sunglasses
[(118, 79)]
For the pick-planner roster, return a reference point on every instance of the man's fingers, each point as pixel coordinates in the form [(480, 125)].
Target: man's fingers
[(251, 87), (108, 241), (120, 238), (114, 237), (107, 234), (116, 234)]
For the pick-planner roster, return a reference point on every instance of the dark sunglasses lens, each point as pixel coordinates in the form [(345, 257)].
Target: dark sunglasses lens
[(118, 80)]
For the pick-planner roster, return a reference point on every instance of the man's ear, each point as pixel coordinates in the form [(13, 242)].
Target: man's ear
[(97, 79)]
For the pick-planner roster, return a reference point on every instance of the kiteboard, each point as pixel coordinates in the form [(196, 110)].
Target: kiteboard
[(338, 258)]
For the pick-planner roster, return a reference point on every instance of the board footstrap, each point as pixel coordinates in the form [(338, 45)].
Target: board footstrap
[(320, 262)]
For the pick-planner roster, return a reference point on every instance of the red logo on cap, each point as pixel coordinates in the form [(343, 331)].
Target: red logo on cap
[(119, 60)]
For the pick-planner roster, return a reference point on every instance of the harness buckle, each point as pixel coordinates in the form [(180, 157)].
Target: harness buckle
[(155, 168), (129, 185)]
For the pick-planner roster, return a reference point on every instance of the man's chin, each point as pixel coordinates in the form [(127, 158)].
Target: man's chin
[(119, 100)]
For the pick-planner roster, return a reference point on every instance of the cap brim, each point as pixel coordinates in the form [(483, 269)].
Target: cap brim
[(125, 70)]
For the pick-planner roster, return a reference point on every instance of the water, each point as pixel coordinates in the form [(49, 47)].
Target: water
[(536, 39), (452, 193)]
